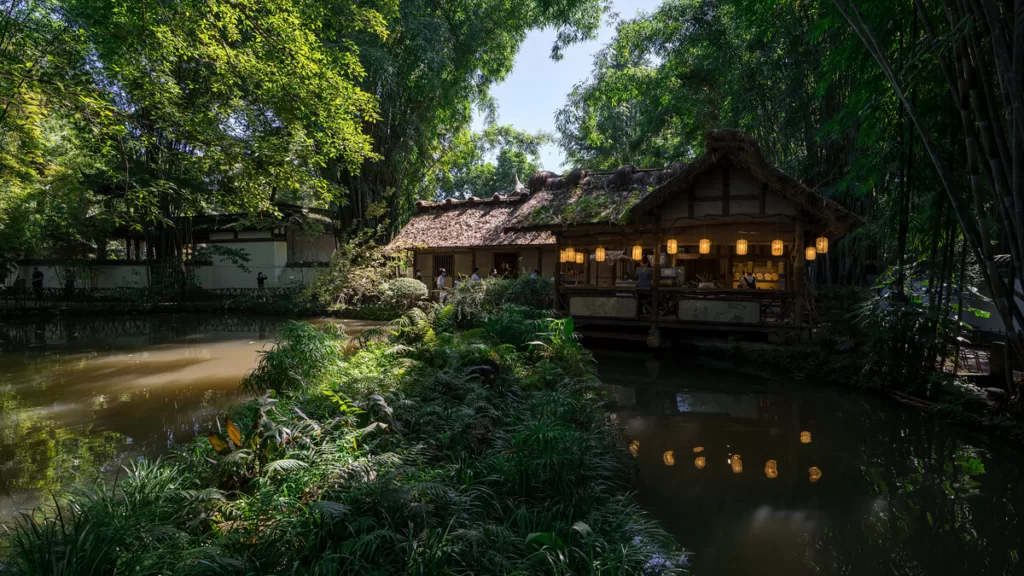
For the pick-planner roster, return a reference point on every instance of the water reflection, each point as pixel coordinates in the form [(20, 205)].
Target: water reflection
[(880, 490), (78, 397)]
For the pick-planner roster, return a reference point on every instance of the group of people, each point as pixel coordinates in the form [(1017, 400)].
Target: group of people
[(441, 282)]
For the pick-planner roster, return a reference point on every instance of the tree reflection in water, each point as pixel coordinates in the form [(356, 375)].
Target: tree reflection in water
[(880, 490)]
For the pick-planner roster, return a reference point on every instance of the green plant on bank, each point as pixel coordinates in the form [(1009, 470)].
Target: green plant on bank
[(470, 300), (424, 450)]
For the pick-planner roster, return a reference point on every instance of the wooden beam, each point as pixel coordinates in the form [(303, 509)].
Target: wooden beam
[(725, 192), (558, 272)]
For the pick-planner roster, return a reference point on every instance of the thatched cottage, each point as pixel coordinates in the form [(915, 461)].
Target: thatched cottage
[(648, 247)]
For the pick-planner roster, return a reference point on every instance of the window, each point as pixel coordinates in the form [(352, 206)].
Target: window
[(447, 262)]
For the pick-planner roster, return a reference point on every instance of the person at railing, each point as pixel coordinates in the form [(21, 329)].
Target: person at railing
[(476, 274), (261, 278), (643, 274), (37, 282)]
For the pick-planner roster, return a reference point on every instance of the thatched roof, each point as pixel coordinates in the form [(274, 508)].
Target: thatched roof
[(476, 222), (628, 194), (551, 202)]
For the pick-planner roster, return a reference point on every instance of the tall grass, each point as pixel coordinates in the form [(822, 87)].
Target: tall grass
[(481, 451)]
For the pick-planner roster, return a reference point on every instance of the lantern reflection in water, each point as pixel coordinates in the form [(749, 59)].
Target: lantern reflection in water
[(771, 469), (736, 463), (634, 447), (815, 473), (698, 449), (669, 458), (699, 462), (805, 437)]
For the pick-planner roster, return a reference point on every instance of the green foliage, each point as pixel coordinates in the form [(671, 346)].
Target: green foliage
[(356, 275), (404, 292), (484, 452), (472, 299), (302, 359), (486, 163)]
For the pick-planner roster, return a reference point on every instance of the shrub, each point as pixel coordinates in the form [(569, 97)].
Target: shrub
[(405, 292)]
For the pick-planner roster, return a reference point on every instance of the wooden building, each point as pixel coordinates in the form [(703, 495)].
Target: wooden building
[(460, 235), (655, 248)]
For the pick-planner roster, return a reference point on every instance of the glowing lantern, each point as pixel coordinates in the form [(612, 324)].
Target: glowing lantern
[(634, 447), (814, 473), (672, 247), (776, 247), (699, 462), (737, 464), (669, 458), (741, 247), (771, 469), (698, 449), (705, 246), (562, 257), (821, 245), (805, 437), (570, 255), (579, 257), (638, 252), (599, 254), (810, 253)]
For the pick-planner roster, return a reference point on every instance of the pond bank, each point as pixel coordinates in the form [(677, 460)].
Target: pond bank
[(440, 450)]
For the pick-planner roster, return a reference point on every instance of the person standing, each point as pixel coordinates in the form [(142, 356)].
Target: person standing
[(476, 274), (643, 274), (37, 282), (440, 284), (261, 279), (419, 275), (748, 280)]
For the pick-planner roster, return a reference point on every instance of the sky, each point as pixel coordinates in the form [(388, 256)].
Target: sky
[(537, 86)]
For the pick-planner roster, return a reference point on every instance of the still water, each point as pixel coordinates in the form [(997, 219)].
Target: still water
[(80, 397), (757, 476)]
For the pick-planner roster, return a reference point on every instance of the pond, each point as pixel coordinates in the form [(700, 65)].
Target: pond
[(79, 397), (758, 476)]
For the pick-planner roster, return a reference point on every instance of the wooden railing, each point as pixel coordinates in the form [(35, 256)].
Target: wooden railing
[(776, 307)]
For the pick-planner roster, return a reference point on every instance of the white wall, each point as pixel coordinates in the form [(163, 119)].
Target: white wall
[(303, 247)]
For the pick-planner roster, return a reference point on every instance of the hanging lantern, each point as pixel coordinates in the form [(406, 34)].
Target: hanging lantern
[(736, 463), (570, 255), (805, 437), (579, 257), (810, 253), (771, 469), (672, 247), (821, 245), (698, 449), (669, 458), (705, 245), (741, 247), (562, 256), (699, 462), (638, 252), (634, 447), (599, 255), (814, 473), (776, 247)]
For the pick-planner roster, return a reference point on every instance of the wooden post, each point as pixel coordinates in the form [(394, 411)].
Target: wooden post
[(799, 275), (654, 338), (558, 273)]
